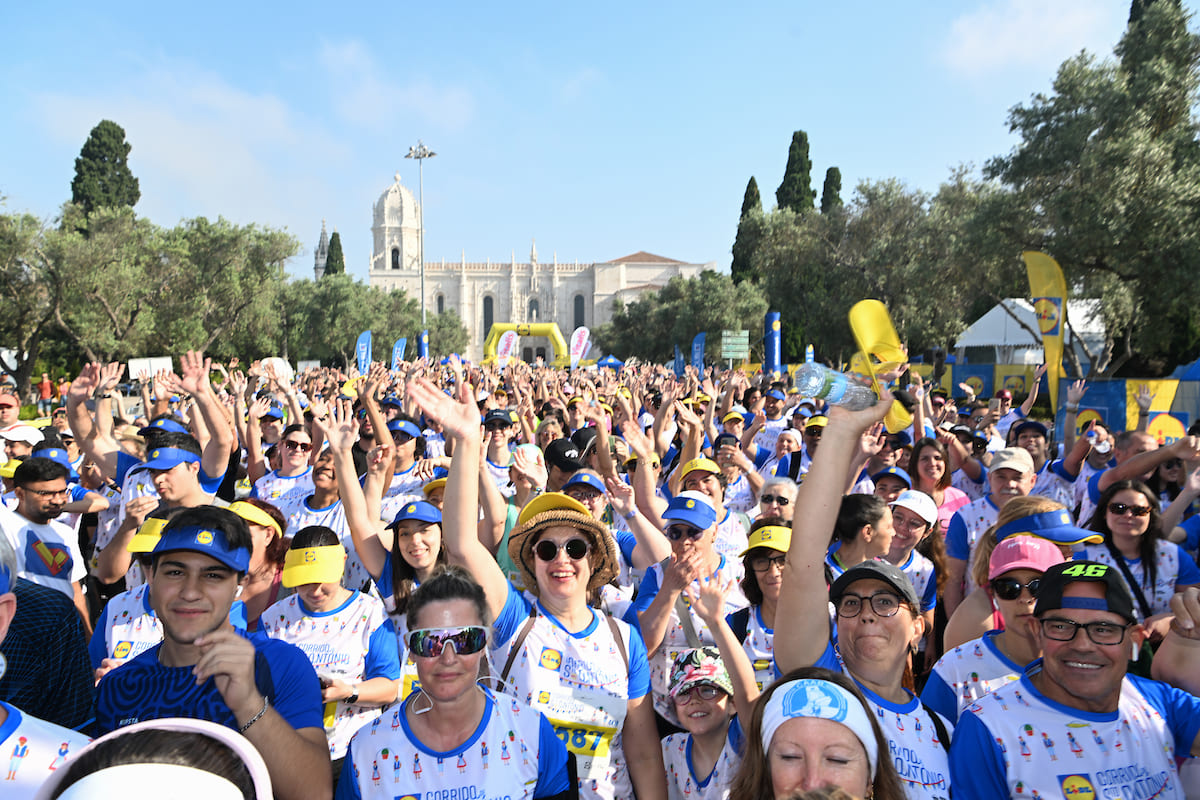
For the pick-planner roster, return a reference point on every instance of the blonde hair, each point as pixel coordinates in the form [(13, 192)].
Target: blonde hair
[(1014, 509)]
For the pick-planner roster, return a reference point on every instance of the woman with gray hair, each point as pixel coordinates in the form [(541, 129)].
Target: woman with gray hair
[(777, 499)]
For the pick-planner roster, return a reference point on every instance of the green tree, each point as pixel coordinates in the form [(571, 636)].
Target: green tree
[(26, 294), (102, 174), (831, 192), (751, 200), (447, 334), (335, 262), (796, 192), (743, 243)]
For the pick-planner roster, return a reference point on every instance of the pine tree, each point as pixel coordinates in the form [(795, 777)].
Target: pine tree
[(796, 192), (335, 262), (831, 192), (102, 175)]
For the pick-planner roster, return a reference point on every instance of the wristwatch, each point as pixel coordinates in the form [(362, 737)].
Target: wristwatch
[(353, 698)]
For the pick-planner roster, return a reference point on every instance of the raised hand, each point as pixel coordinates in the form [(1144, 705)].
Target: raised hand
[(195, 368), (708, 597)]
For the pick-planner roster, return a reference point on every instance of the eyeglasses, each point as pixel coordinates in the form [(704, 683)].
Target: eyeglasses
[(677, 532), (1064, 630), (1010, 588), (777, 499), (582, 496), (47, 492), (705, 691), (884, 604), (1121, 509), (303, 447), (764, 563), (430, 642), (576, 549)]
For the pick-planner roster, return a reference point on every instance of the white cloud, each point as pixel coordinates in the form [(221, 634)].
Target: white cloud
[(364, 94), (1020, 34)]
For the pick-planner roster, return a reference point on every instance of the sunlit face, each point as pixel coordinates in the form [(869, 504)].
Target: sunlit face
[(1016, 612), (1009, 483), (17, 450), (871, 639), (547, 434), (1128, 525), (811, 753), (419, 543), (561, 578), (42, 501), (706, 483), (178, 482), (882, 533), (931, 465), (449, 676), (889, 487), (909, 529), (787, 443), (324, 476), (772, 407), (10, 409), (294, 450), (271, 428), (699, 716), (1035, 443), (594, 501), (191, 594)]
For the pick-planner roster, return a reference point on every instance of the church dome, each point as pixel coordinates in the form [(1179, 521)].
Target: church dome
[(396, 207)]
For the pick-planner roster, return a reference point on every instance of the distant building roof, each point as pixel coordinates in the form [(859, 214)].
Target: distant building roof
[(642, 257)]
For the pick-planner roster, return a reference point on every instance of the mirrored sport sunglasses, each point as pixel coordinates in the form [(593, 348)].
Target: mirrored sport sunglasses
[(430, 642), (576, 549)]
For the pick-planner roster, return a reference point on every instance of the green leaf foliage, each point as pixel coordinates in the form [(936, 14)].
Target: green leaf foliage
[(102, 175), (335, 262), (795, 193)]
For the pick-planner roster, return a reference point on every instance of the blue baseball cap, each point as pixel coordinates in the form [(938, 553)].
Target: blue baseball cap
[(584, 479), (58, 456), (418, 510), (692, 508), (167, 457), (162, 425), (203, 539), (777, 394), (895, 472), (404, 426), (1057, 526), (1031, 425), (274, 412), (391, 400)]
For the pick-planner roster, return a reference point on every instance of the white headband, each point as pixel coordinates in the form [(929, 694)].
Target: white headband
[(819, 699)]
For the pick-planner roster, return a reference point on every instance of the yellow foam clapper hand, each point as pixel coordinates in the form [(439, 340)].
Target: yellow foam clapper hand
[(880, 351), (350, 389)]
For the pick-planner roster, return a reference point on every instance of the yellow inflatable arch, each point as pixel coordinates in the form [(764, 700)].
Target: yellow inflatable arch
[(549, 330)]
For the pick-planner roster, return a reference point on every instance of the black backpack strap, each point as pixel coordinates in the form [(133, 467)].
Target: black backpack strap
[(739, 622), (517, 642), (939, 726)]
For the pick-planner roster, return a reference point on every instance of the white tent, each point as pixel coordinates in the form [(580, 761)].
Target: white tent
[(1000, 330)]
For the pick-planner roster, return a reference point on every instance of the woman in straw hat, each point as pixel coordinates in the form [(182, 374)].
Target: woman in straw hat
[(586, 672)]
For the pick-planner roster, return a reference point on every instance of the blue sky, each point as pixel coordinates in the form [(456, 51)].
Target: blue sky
[(599, 129)]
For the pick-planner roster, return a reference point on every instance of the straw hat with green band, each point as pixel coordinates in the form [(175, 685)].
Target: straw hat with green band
[(147, 536), (255, 515), (321, 564), (553, 509)]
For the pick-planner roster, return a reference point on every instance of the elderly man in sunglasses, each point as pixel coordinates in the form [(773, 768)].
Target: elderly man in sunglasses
[(669, 625), (1076, 724)]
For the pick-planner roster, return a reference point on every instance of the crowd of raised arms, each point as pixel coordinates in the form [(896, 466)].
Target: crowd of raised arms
[(454, 582)]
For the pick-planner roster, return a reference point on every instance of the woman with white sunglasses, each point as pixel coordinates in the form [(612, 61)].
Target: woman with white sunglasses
[(585, 671), (452, 737)]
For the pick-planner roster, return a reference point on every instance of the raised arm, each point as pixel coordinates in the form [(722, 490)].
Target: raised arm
[(644, 488), (652, 547), (804, 597), (100, 449), (1027, 405), (1075, 393), (341, 431), (195, 369), (709, 602)]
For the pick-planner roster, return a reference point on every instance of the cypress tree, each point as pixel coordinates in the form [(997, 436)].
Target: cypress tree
[(796, 192), (335, 262), (831, 192)]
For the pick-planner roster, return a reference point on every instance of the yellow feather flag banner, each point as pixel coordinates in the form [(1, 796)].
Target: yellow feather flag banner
[(1048, 289)]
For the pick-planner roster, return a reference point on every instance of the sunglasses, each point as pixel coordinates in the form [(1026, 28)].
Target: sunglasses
[(1010, 588), (303, 447), (399, 437), (1121, 509), (813, 433), (495, 426), (576, 549), (430, 642), (1173, 463), (705, 691), (677, 532), (778, 500)]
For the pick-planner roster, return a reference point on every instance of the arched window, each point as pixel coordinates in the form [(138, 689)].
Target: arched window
[(579, 321), (441, 303), (527, 355), (487, 315), (395, 258), (534, 309)]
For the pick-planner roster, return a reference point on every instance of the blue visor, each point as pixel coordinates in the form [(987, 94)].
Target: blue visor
[(167, 457), (201, 539)]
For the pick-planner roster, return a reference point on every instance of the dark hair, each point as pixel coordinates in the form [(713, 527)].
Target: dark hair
[(749, 582), (753, 778), (39, 470), (418, 442), (294, 428), (915, 459), (856, 511), (181, 748), (1160, 485), (234, 528), (933, 547), (447, 583), (277, 549), (153, 433), (182, 441), (314, 536), (404, 577), (1147, 542)]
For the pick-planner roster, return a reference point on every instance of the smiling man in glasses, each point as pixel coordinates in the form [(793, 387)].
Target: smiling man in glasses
[(1076, 724)]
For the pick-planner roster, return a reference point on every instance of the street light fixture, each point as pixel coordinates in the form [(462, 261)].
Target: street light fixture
[(420, 153)]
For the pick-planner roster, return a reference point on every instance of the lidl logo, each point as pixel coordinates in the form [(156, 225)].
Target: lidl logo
[(154, 454), (691, 504), (310, 556), (1166, 429), (408, 797), (204, 537), (551, 659), (1077, 786), (775, 325), (1046, 309), (122, 649), (1015, 383), (543, 697), (411, 508), (976, 384)]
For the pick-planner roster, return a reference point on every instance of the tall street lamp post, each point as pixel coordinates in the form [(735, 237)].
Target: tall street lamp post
[(420, 153)]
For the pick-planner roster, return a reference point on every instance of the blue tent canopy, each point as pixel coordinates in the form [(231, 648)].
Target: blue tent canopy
[(611, 362)]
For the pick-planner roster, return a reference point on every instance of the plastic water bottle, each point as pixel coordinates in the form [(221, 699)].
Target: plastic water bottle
[(835, 388)]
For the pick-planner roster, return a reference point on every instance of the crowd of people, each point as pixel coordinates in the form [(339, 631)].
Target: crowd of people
[(459, 581)]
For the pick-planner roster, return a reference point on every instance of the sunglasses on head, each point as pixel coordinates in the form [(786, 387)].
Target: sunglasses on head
[(1121, 509), (576, 549), (1010, 588), (430, 642), (778, 500), (303, 447), (677, 532)]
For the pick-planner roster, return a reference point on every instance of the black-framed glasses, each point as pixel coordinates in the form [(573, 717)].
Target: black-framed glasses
[(303, 447), (1064, 630), (777, 499), (1010, 588), (430, 642), (764, 563), (705, 691), (680, 531), (576, 549), (48, 492), (1121, 509), (884, 604)]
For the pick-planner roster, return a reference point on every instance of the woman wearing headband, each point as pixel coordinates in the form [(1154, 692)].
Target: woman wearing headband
[(452, 735), (811, 730), (345, 634), (264, 581), (585, 671)]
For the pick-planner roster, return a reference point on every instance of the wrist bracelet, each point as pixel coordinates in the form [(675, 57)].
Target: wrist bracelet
[(1072, 409), (256, 717), (1143, 413), (630, 515)]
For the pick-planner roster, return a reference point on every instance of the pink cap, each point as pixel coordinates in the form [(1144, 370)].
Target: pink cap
[(1023, 552)]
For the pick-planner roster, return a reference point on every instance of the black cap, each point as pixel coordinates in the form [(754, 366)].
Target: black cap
[(879, 571), (563, 453), (498, 415), (1054, 581), (585, 439)]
